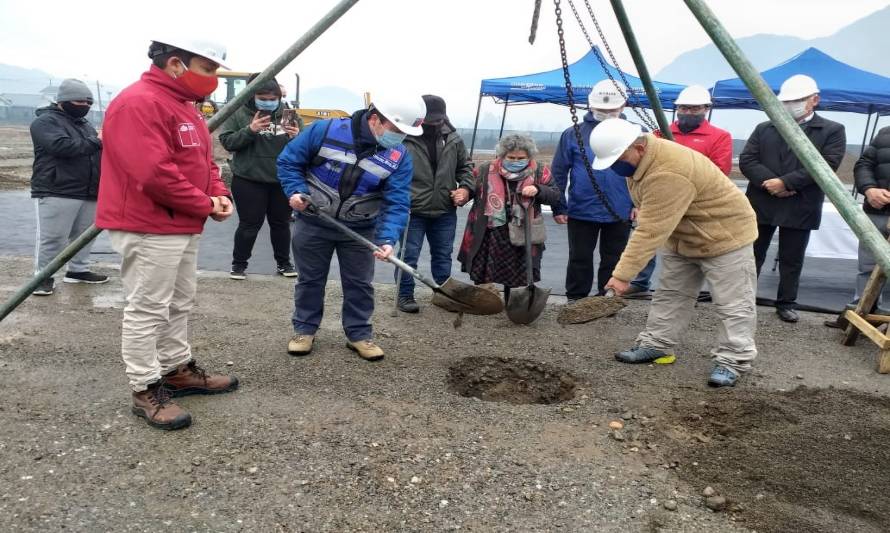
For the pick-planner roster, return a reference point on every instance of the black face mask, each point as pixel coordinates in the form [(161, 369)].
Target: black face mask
[(687, 123), (75, 111)]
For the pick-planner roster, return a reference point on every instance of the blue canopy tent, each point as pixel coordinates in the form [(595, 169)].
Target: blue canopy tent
[(841, 87), (549, 87)]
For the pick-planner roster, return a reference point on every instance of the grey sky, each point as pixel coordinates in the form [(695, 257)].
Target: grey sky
[(399, 47)]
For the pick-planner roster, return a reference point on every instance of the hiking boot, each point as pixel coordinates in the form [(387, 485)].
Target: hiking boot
[(723, 376), (192, 379), (85, 277), (787, 315), (407, 304), (45, 288), (639, 354), (366, 349), (300, 344), (840, 322), (155, 405), (238, 273), (287, 271)]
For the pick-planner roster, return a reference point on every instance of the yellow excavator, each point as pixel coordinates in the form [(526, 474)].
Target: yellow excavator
[(232, 82)]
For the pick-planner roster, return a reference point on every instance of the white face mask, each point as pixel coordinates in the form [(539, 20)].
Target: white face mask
[(797, 110), (600, 116)]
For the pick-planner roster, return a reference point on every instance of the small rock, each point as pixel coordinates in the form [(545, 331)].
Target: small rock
[(616, 424), (252, 470), (391, 479), (670, 505), (443, 504), (618, 435), (230, 363), (799, 376), (634, 449), (708, 492), (627, 415), (416, 479), (716, 503), (848, 437), (703, 438), (759, 496)]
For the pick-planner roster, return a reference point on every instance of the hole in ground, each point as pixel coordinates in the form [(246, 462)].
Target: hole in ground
[(516, 381)]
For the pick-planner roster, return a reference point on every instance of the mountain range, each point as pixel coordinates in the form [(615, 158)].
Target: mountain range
[(862, 44)]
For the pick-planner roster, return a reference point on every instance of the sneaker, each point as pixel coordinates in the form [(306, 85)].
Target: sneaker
[(723, 376), (45, 288), (238, 273), (192, 379), (157, 408), (287, 271), (300, 344), (85, 277), (407, 304), (635, 292), (366, 349), (639, 354)]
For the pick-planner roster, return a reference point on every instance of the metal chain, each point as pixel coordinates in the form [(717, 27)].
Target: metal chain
[(570, 94), (631, 95), (533, 32)]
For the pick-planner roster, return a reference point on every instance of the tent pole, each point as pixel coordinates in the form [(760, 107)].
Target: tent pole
[(215, 121), (504, 116), (874, 128), (634, 48), (797, 140), (865, 133), (475, 126)]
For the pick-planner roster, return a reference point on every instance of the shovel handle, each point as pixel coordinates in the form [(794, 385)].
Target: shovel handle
[(356, 236)]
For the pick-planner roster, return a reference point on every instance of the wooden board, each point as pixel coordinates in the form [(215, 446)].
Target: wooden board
[(868, 330)]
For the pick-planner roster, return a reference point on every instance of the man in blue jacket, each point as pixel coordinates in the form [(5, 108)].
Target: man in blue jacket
[(593, 217), (358, 171)]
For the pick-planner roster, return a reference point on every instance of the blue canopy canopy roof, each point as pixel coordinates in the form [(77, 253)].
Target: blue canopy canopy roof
[(549, 87), (841, 86)]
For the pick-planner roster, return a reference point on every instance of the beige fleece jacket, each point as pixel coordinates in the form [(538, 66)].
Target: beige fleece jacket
[(685, 204)]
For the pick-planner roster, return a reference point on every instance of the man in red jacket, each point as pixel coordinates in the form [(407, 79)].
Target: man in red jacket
[(159, 184), (692, 129)]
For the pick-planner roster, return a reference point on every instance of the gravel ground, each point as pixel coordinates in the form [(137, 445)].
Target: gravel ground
[(329, 442)]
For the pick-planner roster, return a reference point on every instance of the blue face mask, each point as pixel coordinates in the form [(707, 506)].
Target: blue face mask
[(265, 105), (623, 168), (390, 139), (515, 166)]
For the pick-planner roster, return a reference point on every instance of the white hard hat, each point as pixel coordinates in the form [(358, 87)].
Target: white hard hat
[(610, 139), (797, 87), (693, 95), (407, 115), (605, 95), (207, 49)]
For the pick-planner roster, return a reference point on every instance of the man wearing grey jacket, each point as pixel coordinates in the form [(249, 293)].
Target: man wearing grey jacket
[(65, 180), (442, 182)]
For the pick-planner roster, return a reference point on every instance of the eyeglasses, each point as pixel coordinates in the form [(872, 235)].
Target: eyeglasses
[(693, 109)]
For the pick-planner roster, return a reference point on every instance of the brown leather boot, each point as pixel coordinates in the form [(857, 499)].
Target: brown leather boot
[(156, 407), (192, 379)]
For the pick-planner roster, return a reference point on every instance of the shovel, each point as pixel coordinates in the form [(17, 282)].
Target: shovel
[(462, 297), (527, 304)]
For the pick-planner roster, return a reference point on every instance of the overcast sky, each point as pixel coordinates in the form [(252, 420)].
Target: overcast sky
[(398, 47)]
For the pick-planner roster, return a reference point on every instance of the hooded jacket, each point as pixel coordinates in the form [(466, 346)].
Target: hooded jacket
[(430, 191), (67, 152), (579, 199), (254, 153), (158, 173), (873, 169)]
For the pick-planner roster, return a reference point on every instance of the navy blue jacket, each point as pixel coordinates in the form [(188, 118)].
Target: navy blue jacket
[(569, 172)]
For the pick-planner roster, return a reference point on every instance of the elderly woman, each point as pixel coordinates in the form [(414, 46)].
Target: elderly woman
[(505, 188)]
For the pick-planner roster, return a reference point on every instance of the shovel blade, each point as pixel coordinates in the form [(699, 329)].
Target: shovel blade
[(460, 297), (526, 304)]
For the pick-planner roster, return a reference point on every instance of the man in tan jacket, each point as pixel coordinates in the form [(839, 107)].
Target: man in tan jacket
[(705, 228)]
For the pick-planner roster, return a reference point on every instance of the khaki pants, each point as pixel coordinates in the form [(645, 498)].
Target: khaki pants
[(158, 273), (733, 281)]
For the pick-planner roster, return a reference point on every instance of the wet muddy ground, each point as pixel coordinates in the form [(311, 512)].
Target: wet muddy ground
[(329, 442)]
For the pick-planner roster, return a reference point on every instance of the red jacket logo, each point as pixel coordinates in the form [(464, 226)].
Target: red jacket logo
[(395, 155), (188, 135)]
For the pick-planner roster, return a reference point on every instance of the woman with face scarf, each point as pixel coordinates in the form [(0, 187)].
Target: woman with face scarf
[(505, 188)]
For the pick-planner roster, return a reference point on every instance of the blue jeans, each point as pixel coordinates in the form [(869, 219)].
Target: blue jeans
[(644, 278), (439, 232), (314, 246)]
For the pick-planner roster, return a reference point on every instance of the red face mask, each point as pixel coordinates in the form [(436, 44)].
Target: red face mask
[(200, 86)]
